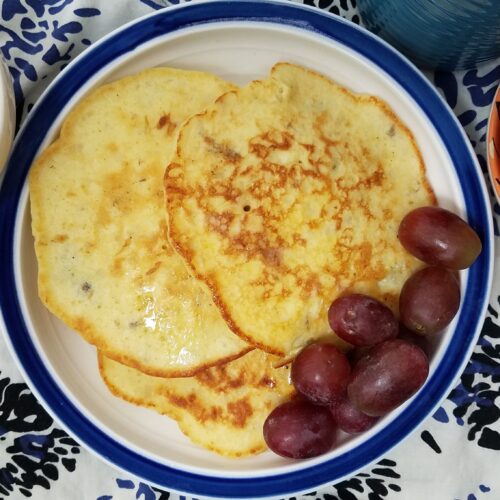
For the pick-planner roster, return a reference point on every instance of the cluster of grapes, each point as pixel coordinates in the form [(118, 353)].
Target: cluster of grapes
[(384, 369)]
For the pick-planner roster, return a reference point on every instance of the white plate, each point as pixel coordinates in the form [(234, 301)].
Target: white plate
[(239, 41)]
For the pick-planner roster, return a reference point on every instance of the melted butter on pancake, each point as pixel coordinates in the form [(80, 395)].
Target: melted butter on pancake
[(105, 265)]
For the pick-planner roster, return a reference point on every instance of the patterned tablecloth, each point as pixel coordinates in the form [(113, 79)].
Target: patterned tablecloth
[(453, 455)]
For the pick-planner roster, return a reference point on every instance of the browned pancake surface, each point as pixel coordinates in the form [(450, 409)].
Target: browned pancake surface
[(287, 193)]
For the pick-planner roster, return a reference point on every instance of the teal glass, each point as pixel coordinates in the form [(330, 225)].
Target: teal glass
[(441, 34)]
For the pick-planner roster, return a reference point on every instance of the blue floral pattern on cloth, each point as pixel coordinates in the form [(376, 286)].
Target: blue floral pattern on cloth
[(476, 399), (38, 38)]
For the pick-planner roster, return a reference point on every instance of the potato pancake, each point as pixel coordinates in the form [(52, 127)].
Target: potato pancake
[(287, 193), (105, 267), (222, 408)]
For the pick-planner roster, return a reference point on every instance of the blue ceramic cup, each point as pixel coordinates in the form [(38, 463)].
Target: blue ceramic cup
[(442, 34)]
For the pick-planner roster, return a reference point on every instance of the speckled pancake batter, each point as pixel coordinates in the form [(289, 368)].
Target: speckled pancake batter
[(105, 266)]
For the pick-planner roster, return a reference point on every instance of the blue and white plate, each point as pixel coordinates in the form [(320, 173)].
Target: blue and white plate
[(240, 41)]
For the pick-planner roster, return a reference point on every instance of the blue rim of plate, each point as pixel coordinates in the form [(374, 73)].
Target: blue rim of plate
[(388, 60)]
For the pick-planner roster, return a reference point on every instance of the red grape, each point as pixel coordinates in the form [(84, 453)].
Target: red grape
[(429, 300), (362, 320), (299, 429), (387, 376), (351, 420), (414, 338), (320, 372), (439, 238)]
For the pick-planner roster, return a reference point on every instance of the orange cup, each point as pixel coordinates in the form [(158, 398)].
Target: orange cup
[(493, 144)]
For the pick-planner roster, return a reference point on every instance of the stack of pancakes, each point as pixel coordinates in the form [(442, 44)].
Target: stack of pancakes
[(196, 234)]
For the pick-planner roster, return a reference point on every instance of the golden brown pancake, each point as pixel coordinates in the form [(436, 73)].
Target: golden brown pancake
[(105, 266), (287, 193), (222, 408)]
